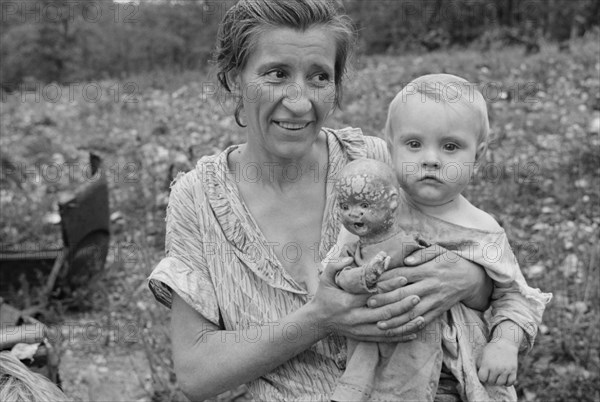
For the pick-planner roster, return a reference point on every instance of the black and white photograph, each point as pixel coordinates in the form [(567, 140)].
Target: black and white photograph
[(299, 200)]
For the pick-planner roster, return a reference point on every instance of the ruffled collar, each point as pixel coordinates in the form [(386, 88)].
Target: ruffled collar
[(243, 233)]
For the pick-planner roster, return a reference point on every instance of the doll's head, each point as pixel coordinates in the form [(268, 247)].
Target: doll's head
[(367, 193)]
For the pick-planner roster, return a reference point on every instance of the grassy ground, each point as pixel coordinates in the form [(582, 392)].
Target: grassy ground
[(540, 180)]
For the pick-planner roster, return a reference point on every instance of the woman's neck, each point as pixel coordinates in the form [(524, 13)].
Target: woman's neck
[(256, 165)]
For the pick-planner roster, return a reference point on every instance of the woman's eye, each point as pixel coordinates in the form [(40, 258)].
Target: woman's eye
[(413, 144), (321, 79), (276, 74), (450, 147), (364, 205)]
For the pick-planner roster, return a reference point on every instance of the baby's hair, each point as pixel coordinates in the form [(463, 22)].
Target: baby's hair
[(450, 90), (19, 384)]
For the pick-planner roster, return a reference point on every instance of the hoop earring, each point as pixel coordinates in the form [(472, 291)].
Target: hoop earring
[(238, 109)]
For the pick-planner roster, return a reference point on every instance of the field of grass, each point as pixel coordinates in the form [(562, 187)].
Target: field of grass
[(540, 180)]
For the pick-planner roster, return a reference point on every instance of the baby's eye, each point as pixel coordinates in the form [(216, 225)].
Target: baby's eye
[(364, 205), (413, 144), (450, 147), (343, 206)]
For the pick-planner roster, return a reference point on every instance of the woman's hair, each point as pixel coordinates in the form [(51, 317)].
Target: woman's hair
[(247, 19), (19, 384), (450, 90)]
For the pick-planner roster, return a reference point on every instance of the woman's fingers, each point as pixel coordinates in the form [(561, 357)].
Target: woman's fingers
[(388, 285), (411, 294), (421, 256), (333, 268), (415, 319), (502, 379), (483, 374), (370, 333), (512, 379), (408, 331), (398, 312)]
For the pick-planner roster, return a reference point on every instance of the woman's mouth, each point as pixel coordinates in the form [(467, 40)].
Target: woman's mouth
[(291, 126)]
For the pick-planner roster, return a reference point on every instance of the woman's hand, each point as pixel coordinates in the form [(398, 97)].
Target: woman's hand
[(439, 279), (348, 315)]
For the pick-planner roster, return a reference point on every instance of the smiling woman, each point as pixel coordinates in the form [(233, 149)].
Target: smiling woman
[(241, 271), (285, 89)]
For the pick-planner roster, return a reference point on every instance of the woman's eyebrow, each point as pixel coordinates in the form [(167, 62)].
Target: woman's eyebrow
[(321, 66), (272, 64)]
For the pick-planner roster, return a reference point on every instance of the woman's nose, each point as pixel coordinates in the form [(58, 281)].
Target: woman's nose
[(296, 99)]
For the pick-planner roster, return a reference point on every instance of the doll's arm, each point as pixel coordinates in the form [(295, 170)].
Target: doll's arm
[(363, 279)]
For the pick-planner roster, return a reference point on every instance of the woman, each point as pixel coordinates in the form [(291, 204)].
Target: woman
[(243, 249)]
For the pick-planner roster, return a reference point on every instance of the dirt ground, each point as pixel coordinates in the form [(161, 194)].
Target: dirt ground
[(97, 365)]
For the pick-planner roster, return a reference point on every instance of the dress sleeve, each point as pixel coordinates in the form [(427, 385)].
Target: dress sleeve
[(512, 298), (184, 270), (377, 149), (357, 145)]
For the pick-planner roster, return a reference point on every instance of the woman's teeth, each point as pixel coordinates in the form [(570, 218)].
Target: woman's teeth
[(291, 126)]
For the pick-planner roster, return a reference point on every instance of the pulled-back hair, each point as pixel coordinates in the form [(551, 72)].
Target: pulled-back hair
[(247, 19), (449, 89)]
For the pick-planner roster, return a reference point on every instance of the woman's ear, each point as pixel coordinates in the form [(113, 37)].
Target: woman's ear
[(233, 82)]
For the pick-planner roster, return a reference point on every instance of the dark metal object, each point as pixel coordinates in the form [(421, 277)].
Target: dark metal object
[(85, 223), (16, 327)]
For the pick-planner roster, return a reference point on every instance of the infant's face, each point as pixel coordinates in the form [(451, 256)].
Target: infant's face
[(365, 208), (435, 147)]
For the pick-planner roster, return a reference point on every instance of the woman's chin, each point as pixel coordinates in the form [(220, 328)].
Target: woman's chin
[(292, 148)]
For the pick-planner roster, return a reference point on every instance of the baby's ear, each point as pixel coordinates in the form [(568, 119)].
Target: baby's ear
[(481, 150)]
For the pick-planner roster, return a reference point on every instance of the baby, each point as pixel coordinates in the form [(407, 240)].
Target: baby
[(437, 128)]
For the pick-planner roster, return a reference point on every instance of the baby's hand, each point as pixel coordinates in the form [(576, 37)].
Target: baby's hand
[(498, 365)]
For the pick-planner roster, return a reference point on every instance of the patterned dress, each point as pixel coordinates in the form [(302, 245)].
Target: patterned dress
[(219, 262)]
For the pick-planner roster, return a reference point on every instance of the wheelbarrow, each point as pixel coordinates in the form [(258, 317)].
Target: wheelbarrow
[(85, 220)]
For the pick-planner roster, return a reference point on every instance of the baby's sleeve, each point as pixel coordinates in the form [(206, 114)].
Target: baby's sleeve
[(512, 298), (184, 270)]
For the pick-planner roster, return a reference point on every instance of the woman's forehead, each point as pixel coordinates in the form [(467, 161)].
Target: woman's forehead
[(315, 45)]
